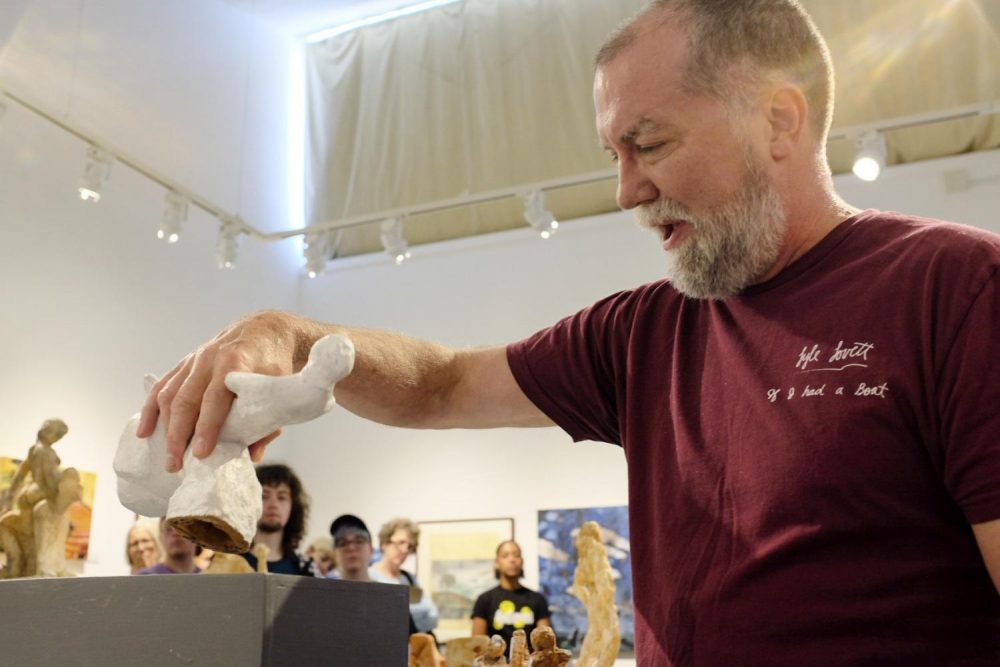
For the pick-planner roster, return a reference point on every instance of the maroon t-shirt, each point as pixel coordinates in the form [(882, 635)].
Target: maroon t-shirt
[(804, 459)]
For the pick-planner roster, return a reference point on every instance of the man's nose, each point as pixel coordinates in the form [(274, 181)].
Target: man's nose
[(634, 187)]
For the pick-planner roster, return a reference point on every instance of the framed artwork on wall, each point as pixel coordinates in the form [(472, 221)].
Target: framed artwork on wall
[(557, 557), (455, 565)]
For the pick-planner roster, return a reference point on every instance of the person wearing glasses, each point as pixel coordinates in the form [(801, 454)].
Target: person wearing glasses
[(398, 539), (352, 544)]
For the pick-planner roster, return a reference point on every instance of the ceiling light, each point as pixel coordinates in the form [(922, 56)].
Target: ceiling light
[(229, 242), (392, 240), (95, 174), (540, 219), (319, 247), (175, 212), (869, 156)]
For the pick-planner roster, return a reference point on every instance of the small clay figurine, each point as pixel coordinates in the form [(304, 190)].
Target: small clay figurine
[(423, 651), (543, 640), (493, 654), (519, 649)]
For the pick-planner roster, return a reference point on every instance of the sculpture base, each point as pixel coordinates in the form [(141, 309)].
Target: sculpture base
[(243, 619)]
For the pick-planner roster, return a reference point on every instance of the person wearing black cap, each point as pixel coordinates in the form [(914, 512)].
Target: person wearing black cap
[(353, 544)]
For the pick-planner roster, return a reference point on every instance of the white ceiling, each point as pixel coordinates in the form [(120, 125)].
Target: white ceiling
[(304, 17)]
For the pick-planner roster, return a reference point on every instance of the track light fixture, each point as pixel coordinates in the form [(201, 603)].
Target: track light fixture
[(319, 247), (175, 212), (869, 156), (540, 219), (229, 242), (392, 240), (95, 174)]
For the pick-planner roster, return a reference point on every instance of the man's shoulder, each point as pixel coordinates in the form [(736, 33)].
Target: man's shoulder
[(923, 234)]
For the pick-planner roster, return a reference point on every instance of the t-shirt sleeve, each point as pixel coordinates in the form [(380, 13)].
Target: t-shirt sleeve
[(482, 607), (543, 608), (969, 403), (572, 370)]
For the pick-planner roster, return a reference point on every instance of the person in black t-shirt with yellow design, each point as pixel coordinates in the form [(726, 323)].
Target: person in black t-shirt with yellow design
[(510, 606)]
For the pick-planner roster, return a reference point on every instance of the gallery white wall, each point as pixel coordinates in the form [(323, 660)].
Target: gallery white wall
[(90, 300)]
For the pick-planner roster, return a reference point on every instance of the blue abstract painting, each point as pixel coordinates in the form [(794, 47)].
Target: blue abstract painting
[(557, 531)]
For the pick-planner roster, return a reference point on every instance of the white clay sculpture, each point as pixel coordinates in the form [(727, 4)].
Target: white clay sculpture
[(216, 501)]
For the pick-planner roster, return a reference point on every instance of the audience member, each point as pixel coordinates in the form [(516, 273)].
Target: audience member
[(510, 606), (178, 553), (283, 521), (398, 539), (320, 554), (352, 544), (142, 550)]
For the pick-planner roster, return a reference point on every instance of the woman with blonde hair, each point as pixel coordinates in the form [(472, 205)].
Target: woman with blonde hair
[(142, 549), (398, 539)]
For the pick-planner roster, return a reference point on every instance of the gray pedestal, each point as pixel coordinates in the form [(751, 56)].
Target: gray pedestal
[(245, 619)]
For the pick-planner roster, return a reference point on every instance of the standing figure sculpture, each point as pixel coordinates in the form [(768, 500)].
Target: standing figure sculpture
[(32, 519), (594, 585)]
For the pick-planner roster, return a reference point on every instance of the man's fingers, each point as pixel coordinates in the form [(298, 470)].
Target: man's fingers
[(215, 406), (150, 408), (257, 449), (184, 406)]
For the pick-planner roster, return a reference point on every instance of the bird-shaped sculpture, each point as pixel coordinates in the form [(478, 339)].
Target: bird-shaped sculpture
[(216, 501)]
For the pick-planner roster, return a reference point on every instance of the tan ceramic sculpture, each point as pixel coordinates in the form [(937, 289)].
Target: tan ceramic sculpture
[(51, 526), (223, 563), (594, 585), (33, 519), (519, 649), (463, 651), (495, 653), (216, 501), (543, 640), (423, 651)]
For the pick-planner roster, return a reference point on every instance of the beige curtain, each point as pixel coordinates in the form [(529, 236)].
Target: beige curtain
[(487, 94)]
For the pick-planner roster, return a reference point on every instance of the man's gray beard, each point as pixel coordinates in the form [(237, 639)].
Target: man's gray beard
[(729, 248), (266, 527)]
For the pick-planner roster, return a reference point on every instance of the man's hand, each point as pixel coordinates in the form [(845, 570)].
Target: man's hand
[(193, 398)]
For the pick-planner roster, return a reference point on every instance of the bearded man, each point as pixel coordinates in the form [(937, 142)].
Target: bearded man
[(282, 521), (807, 403)]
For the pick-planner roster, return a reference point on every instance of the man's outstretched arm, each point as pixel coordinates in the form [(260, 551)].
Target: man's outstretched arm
[(988, 537), (396, 380)]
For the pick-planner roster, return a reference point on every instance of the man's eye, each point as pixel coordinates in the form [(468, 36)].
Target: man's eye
[(650, 148), (613, 156)]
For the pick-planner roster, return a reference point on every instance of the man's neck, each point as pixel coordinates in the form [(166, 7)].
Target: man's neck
[(273, 543), (359, 575), (180, 565)]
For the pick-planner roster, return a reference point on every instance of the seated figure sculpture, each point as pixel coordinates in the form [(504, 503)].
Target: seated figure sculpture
[(216, 501), (51, 525), (33, 517), (493, 654), (543, 639)]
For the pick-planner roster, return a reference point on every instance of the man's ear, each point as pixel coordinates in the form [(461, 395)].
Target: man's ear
[(787, 115)]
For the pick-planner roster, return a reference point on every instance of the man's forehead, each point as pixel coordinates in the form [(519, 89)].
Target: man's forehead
[(280, 486)]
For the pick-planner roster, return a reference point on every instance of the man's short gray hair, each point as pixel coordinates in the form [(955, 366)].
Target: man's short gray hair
[(736, 44)]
